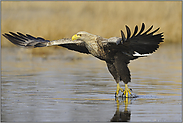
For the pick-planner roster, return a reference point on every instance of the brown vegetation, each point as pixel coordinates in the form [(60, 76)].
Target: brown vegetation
[(59, 19)]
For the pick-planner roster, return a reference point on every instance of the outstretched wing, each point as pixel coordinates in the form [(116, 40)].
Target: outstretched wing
[(141, 43), (30, 41)]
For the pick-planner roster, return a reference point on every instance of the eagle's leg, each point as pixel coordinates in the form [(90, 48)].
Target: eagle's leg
[(114, 73), (126, 91), (118, 89)]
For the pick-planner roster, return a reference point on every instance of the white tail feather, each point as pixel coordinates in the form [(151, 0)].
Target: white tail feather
[(137, 54)]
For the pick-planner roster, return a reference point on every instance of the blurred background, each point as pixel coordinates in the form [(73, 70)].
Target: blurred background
[(58, 19)]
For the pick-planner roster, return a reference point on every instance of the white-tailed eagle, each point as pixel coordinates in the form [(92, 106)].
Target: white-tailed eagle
[(116, 51)]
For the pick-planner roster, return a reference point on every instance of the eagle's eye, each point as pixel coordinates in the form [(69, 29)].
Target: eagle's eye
[(79, 35)]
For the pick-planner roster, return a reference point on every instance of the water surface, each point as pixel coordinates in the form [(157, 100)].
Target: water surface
[(69, 86)]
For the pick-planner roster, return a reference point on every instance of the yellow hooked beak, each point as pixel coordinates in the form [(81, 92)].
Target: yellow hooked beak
[(75, 37)]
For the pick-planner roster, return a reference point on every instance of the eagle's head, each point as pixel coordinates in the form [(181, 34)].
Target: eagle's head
[(84, 36)]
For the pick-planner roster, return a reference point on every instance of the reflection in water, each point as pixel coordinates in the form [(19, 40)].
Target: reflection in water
[(122, 115), (65, 86)]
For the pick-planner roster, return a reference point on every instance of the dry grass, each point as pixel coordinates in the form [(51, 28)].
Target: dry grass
[(59, 19)]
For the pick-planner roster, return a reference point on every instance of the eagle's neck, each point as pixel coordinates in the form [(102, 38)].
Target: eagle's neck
[(96, 49)]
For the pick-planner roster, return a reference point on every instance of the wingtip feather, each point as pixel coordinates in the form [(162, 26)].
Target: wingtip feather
[(128, 32)]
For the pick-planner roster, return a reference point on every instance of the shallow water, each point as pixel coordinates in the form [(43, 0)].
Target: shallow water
[(68, 86)]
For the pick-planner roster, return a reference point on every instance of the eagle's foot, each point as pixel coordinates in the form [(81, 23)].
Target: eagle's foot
[(127, 91), (118, 89)]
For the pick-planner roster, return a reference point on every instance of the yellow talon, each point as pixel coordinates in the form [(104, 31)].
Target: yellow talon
[(127, 90), (118, 89)]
